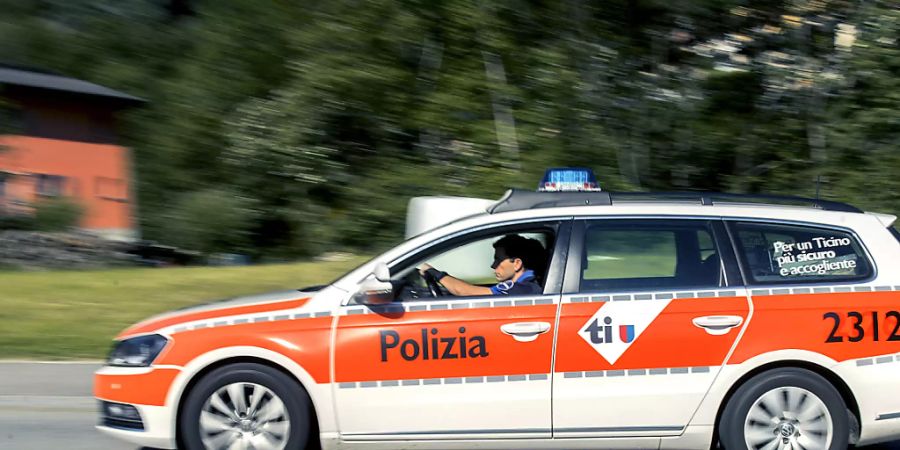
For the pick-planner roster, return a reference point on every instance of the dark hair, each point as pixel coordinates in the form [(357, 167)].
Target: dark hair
[(530, 251)]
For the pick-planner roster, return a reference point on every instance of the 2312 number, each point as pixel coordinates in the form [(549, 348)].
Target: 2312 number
[(858, 332)]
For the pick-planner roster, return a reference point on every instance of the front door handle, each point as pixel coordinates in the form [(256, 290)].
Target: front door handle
[(718, 325), (525, 331)]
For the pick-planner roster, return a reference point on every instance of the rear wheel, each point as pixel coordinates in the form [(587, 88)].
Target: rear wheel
[(246, 406), (790, 408)]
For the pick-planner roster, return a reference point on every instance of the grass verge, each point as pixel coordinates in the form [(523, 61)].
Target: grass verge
[(75, 314)]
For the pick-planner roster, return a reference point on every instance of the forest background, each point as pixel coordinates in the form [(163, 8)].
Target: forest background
[(284, 129)]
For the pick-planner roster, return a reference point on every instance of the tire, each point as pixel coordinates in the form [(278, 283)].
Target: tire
[(250, 402), (791, 404)]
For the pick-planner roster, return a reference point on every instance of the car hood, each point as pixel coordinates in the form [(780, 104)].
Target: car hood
[(261, 303)]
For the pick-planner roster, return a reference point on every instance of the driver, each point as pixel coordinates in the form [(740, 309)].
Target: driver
[(515, 257)]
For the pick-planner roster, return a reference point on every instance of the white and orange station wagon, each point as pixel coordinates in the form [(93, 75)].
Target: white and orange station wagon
[(675, 322)]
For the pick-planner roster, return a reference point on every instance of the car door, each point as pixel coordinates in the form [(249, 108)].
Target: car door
[(451, 368), (650, 310)]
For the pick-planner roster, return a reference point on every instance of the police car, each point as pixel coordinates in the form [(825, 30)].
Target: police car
[(674, 321)]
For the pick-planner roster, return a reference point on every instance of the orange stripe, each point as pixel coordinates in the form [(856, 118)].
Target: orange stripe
[(797, 322), (305, 341), (144, 389), (359, 352), (156, 324), (671, 340)]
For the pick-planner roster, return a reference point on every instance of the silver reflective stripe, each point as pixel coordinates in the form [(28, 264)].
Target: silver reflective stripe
[(446, 381), (895, 415), (411, 434), (275, 316), (530, 377), (618, 429), (645, 296), (444, 305)]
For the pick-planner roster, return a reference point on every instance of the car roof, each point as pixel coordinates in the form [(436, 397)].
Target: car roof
[(676, 209), (517, 199)]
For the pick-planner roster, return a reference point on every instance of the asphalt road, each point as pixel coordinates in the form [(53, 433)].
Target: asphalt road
[(49, 406)]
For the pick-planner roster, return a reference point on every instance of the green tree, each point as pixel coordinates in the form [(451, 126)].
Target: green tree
[(210, 221)]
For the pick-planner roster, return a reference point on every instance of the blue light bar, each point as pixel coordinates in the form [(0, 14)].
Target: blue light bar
[(568, 179)]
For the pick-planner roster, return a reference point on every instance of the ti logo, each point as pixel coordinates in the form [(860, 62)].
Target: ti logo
[(616, 325), (603, 334)]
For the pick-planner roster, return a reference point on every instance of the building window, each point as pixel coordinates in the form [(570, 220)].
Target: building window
[(50, 185)]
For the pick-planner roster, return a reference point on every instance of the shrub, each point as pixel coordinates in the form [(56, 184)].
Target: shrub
[(17, 222), (57, 214), (209, 221)]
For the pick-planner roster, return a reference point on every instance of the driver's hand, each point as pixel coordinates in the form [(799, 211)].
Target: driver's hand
[(424, 268)]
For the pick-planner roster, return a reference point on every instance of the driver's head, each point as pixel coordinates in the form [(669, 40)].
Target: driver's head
[(513, 254)]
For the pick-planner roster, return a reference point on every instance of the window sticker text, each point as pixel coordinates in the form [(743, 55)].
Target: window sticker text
[(817, 256)]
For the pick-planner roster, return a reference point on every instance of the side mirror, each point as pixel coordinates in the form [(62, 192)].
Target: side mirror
[(377, 288), (381, 272)]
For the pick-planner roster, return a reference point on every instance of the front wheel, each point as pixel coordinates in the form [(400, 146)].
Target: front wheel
[(246, 406), (790, 408)]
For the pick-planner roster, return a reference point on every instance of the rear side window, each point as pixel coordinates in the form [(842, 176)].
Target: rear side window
[(796, 254), (648, 255)]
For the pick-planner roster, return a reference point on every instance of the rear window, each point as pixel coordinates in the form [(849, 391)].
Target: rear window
[(648, 255), (774, 254)]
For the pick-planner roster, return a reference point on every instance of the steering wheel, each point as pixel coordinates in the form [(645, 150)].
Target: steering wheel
[(433, 286)]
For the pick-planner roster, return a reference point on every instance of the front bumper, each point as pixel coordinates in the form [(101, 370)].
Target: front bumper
[(151, 422), (158, 432)]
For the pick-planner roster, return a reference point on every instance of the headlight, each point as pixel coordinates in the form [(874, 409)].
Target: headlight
[(136, 352)]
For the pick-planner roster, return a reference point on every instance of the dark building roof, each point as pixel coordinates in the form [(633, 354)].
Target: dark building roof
[(39, 80)]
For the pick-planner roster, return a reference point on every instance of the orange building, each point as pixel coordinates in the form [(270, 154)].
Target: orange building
[(60, 140)]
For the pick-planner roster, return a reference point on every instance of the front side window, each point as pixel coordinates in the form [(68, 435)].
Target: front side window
[(776, 253), (474, 261), (647, 255)]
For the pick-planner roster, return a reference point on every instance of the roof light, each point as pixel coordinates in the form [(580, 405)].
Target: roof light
[(569, 179)]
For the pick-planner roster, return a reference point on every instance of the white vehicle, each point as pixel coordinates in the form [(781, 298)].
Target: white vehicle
[(669, 322)]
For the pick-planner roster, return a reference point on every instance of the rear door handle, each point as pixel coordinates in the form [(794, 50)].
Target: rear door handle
[(525, 331), (718, 325)]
